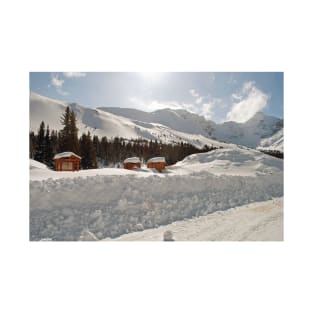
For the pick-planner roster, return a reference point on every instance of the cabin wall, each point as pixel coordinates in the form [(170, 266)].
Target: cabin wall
[(67, 164), (131, 166), (160, 166)]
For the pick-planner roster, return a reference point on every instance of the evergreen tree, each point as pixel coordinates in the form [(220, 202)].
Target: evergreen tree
[(74, 144), (103, 150), (69, 134), (40, 144), (96, 144), (54, 142), (32, 144), (48, 149), (88, 152), (65, 136)]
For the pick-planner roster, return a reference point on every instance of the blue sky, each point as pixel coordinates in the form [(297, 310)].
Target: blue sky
[(217, 96)]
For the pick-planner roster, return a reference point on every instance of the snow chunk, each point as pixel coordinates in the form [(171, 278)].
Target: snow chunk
[(132, 160), (37, 165), (168, 236), (156, 160), (65, 155)]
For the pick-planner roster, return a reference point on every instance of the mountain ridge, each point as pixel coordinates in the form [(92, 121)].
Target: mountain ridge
[(167, 125)]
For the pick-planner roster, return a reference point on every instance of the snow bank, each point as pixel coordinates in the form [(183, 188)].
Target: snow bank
[(231, 161), (109, 206), (65, 155), (37, 165), (156, 160), (112, 202), (132, 160), (263, 222)]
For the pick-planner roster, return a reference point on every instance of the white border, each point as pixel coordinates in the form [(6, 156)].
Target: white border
[(156, 36)]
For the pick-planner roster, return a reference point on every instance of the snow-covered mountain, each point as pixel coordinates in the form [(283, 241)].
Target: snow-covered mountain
[(167, 125), (250, 133), (103, 123), (275, 142)]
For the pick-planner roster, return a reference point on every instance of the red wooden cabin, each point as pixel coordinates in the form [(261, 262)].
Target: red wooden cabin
[(132, 163), (158, 163), (66, 161)]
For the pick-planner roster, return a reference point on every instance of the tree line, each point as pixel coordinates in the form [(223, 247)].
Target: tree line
[(95, 151), (274, 153)]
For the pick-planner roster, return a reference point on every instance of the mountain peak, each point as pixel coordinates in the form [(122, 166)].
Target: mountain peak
[(170, 125)]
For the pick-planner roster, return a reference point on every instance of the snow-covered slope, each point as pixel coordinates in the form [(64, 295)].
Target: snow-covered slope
[(231, 161), (63, 204), (166, 125), (180, 120), (248, 134), (103, 123), (275, 142)]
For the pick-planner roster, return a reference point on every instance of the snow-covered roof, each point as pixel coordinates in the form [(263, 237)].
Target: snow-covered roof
[(65, 155), (132, 160), (156, 160)]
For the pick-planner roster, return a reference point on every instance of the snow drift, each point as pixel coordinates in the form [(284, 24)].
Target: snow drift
[(112, 205)]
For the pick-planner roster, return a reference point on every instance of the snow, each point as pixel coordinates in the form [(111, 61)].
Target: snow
[(103, 123), (230, 161), (65, 155), (275, 142), (260, 221), (40, 174), (166, 125), (112, 202), (33, 165), (249, 133), (156, 160), (132, 160)]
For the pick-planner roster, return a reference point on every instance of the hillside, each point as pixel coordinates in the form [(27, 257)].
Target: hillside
[(166, 125), (249, 134), (103, 123), (275, 142)]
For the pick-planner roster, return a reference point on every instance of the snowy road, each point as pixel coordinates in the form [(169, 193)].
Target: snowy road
[(260, 221)]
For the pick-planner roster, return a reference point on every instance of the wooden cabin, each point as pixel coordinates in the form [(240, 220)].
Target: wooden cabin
[(158, 163), (66, 161), (132, 163)]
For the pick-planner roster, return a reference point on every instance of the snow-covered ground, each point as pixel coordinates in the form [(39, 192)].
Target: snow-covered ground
[(259, 221), (113, 202)]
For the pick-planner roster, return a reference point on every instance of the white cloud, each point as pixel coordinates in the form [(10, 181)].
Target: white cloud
[(236, 97), (199, 100), (251, 100), (207, 110), (58, 84), (153, 105), (194, 93), (74, 74)]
